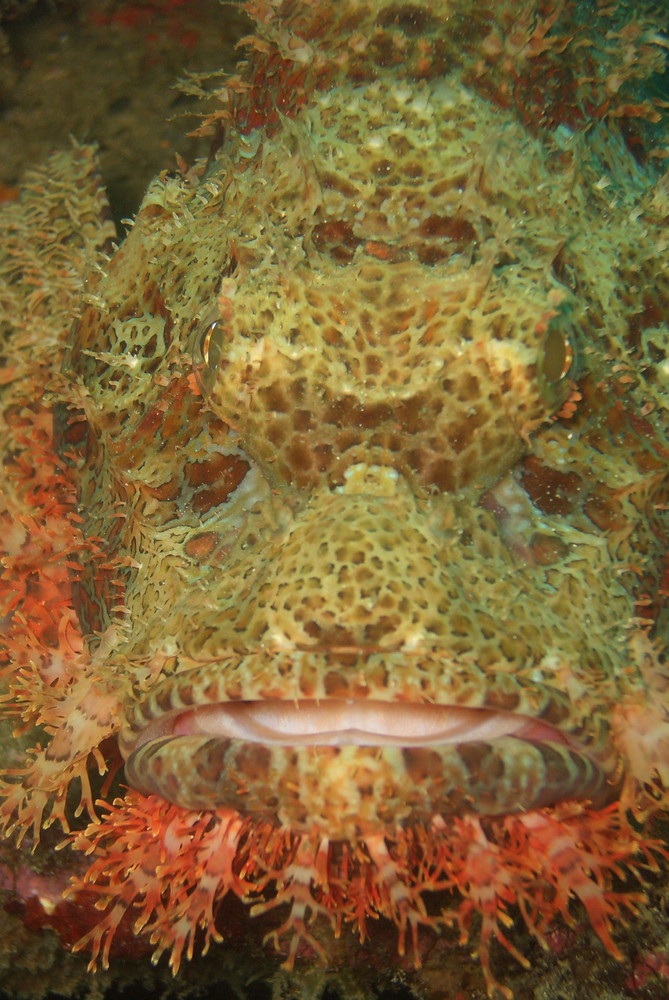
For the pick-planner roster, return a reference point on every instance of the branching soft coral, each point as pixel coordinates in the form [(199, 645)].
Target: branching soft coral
[(172, 869)]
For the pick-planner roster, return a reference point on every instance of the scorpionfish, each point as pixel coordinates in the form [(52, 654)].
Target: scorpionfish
[(349, 544)]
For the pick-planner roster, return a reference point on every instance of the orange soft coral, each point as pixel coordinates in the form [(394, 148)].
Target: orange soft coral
[(173, 868), (50, 680)]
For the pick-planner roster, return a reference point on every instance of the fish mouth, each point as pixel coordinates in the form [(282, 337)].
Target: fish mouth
[(347, 722), (315, 760)]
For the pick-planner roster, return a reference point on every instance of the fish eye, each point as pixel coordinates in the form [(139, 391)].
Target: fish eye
[(210, 345), (207, 353), (557, 357)]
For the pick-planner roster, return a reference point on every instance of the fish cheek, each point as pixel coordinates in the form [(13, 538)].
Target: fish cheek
[(154, 482)]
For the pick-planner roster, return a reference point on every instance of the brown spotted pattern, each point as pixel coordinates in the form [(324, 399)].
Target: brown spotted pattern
[(372, 406)]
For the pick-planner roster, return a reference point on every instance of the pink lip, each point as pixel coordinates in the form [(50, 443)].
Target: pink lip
[(340, 722)]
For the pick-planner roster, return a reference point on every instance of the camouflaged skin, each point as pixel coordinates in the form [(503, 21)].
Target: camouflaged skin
[(373, 406)]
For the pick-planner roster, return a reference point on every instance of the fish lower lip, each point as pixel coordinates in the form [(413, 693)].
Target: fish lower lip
[(349, 765), (347, 722)]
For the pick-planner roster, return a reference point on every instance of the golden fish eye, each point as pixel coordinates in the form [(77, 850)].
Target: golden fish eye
[(207, 354), (558, 356), (210, 345)]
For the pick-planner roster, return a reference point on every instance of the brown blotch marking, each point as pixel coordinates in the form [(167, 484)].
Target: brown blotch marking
[(276, 433), (418, 460), (76, 430), (546, 549), (299, 455), (386, 53), (334, 635), (373, 416), (302, 421), (253, 761), (209, 762), (307, 687), (412, 414), (166, 491), (400, 144), (646, 431), (481, 759), (441, 475), (382, 168), (379, 677), (445, 227), (334, 684), (323, 457), (469, 389), (149, 348), (341, 412), (633, 434), (186, 694), (297, 389), (201, 546), (164, 699), (332, 336), (231, 473), (387, 251), (551, 491), (336, 182), (554, 763), (554, 712), (459, 437), (504, 701), (154, 300), (336, 238), (414, 170), (604, 510), (273, 398), (422, 764), (431, 255), (148, 425), (155, 761), (217, 427), (183, 413), (211, 693), (225, 467)]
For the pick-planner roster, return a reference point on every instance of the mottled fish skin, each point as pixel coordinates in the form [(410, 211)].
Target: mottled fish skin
[(368, 485), (371, 407)]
